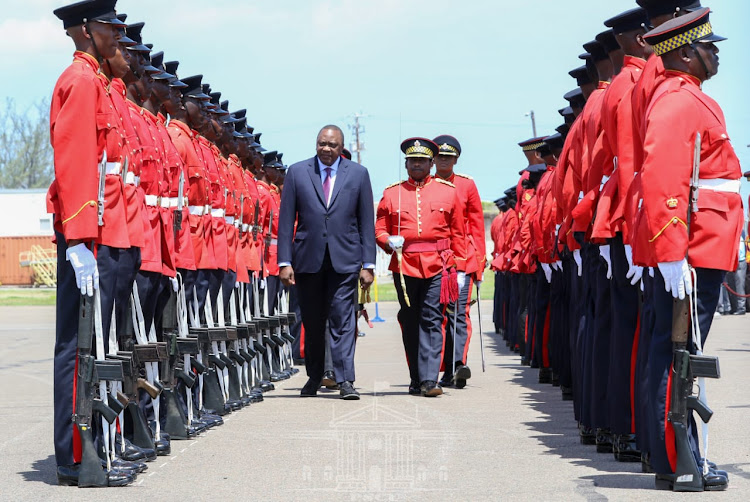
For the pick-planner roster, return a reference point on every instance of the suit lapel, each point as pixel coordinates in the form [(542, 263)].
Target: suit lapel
[(314, 172), (340, 178)]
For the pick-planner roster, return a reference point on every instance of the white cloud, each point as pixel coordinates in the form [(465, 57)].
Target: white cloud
[(35, 37)]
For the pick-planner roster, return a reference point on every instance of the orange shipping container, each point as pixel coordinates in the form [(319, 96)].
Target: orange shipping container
[(11, 271)]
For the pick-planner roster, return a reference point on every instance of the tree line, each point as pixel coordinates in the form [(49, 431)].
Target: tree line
[(26, 157)]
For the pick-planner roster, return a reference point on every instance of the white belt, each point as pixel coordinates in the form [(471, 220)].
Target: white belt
[(157, 201), (132, 179), (245, 227), (113, 168), (198, 210), (720, 185), (237, 224), (229, 220), (217, 213), (175, 202), (605, 179)]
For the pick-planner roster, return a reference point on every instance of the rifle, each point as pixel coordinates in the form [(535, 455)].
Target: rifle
[(685, 368), (180, 204), (91, 372), (255, 220)]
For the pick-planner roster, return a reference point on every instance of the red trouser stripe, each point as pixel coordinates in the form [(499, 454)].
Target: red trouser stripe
[(470, 285), (444, 326), (302, 341), (633, 361), (669, 440)]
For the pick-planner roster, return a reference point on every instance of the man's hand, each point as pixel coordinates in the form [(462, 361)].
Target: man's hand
[(366, 278), (286, 274)]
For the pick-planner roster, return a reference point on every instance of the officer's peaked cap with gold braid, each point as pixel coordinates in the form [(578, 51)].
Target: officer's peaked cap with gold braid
[(683, 30), (419, 148)]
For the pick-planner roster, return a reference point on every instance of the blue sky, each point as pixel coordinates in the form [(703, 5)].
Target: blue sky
[(472, 69)]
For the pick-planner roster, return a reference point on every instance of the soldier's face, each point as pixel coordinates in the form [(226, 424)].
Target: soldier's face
[(709, 52), (120, 63), (418, 168), (444, 165), (194, 114), (106, 37)]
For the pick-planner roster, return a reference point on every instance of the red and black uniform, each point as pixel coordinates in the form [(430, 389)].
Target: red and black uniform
[(428, 217), (473, 218), (84, 124), (679, 110)]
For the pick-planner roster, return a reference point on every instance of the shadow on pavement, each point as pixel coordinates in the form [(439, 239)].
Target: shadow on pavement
[(44, 471), (557, 429)]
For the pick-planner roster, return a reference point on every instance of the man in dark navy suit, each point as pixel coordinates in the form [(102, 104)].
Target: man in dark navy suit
[(330, 199)]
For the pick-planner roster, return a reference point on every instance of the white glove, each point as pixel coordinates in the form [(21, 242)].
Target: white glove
[(634, 271), (677, 278), (396, 241), (175, 284), (651, 271), (84, 266), (237, 284), (604, 251), (547, 271), (478, 284), (461, 280), (577, 258)]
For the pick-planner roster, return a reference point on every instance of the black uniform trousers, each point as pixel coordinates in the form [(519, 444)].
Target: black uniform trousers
[(575, 319), (625, 315), (514, 294), (601, 335), (559, 327), (66, 335), (590, 258), (542, 319), (326, 297), (457, 352), (529, 323), (497, 303), (660, 361), (641, 394), (421, 326)]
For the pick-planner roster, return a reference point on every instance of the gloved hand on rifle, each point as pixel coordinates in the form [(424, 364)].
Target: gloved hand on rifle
[(604, 251), (84, 265), (677, 278), (577, 258), (547, 271), (461, 280), (634, 271)]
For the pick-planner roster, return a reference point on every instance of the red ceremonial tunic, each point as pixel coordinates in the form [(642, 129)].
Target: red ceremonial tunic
[(429, 214), (83, 124), (678, 111)]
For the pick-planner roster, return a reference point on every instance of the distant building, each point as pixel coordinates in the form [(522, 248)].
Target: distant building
[(24, 213)]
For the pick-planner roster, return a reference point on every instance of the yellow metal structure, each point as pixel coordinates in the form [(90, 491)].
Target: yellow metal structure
[(43, 263)]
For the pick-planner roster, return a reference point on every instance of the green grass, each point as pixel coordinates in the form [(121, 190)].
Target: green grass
[(387, 291), (18, 297)]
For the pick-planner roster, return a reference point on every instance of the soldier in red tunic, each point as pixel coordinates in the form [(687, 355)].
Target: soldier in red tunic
[(688, 258), (419, 222), (456, 350), (84, 132)]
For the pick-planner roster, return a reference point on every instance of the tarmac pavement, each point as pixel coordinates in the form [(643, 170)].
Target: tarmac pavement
[(503, 437)]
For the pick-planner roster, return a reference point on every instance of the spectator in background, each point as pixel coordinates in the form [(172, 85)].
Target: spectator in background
[(736, 282)]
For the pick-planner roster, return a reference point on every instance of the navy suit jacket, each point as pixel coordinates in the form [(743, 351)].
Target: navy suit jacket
[(346, 226)]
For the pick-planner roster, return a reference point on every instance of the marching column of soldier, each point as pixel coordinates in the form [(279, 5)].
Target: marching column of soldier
[(174, 307), (610, 251)]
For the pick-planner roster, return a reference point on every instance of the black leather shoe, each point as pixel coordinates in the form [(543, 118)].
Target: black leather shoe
[(126, 466), (163, 448), (567, 393), (555, 380), (446, 381), (134, 453), (348, 392), (329, 381), (414, 388), (588, 436), (266, 386), (712, 482), (310, 389), (430, 388), (67, 475), (525, 362), (625, 449), (545, 375), (603, 441), (463, 373)]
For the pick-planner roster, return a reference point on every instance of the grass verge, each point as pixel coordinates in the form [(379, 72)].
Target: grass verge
[(22, 297)]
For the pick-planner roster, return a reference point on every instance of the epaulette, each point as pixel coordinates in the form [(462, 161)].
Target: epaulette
[(464, 176), (394, 185), (441, 180)]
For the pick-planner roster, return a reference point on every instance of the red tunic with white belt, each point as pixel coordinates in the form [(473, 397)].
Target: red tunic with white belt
[(677, 112)]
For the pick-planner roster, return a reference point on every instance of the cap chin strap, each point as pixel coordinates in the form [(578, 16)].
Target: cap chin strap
[(709, 73)]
